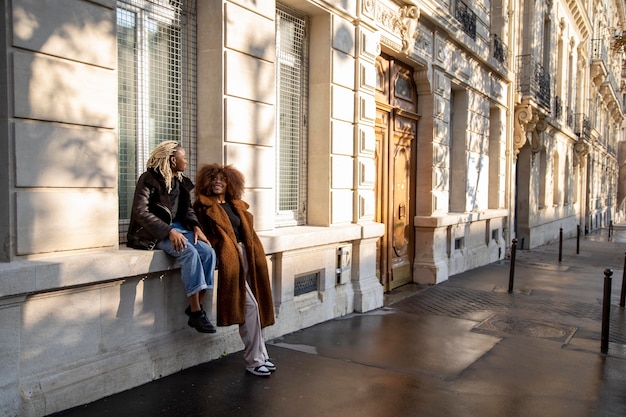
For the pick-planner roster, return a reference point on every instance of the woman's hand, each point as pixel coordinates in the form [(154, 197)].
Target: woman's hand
[(198, 234), (178, 240)]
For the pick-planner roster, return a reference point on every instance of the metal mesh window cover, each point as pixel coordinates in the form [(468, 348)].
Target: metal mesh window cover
[(156, 87), (292, 98), (306, 283)]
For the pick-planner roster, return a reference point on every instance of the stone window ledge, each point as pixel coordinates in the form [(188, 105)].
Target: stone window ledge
[(299, 237), (450, 219), (50, 273)]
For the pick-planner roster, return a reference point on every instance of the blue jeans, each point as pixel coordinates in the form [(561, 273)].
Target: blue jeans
[(197, 262)]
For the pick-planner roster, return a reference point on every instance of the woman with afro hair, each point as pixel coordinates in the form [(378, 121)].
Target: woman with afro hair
[(244, 295)]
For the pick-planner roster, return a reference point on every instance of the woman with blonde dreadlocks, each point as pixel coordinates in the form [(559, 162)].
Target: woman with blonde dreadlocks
[(162, 218)]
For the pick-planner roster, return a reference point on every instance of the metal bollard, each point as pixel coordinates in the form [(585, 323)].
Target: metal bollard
[(622, 297), (560, 244), (577, 239), (606, 311), (610, 229), (512, 270)]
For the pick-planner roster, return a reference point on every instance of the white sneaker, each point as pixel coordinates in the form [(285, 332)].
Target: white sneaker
[(269, 365), (259, 370)]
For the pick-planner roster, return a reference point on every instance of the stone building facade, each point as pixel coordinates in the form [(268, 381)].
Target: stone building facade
[(383, 143), (569, 112)]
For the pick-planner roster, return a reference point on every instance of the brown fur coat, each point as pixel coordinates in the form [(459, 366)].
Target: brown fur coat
[(231, 290)]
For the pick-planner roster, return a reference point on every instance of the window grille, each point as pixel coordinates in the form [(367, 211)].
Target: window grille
[(292, 97), (156, 87)]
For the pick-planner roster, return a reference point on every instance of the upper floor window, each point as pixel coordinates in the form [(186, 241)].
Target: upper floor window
[(291, 107), (156, 86)]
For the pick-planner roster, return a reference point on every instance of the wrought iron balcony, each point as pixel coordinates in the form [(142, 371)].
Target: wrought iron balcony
[(570, 118), (582, 125), (558, 107), (467, 18), (499, 50), (532, 80), (598, 50)]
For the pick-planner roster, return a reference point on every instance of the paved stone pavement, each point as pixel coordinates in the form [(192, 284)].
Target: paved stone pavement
[(466, 347)]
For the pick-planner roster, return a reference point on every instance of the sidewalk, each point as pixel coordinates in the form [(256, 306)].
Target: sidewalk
[(466, 347)]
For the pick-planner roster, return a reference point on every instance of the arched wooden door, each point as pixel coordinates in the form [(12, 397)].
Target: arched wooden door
[(396, 127)]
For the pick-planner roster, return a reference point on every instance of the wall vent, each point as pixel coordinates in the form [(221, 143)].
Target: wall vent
[(305, 284)]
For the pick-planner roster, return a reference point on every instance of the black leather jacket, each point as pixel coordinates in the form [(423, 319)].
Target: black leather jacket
[(151, 216)]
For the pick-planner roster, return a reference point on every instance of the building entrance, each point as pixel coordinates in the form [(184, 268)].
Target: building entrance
[(396, 126)]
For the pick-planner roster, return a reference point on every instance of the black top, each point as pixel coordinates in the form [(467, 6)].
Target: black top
[(234, 220), (174, 197)]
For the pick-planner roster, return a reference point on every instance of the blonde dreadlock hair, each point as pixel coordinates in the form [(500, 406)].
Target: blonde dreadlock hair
[(160, 161)]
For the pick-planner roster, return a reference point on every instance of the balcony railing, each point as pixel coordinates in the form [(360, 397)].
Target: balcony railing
[(582, 125), (532, 80), (558, 107), (467, 18), (499, 50), (570, 118), (598, 50)]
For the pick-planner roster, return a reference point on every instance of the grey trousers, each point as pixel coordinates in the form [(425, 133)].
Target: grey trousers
[(254, 352)]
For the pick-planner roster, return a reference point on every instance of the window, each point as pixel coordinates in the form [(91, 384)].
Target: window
[(541, 178), (291, 107), (156, 87), (556, 181), (458, 162)]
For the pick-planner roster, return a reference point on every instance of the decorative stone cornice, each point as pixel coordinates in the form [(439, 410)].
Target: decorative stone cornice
[(409, 16), (529, 124), (581, 149), (401, 22), (535, 134), (525, 121)]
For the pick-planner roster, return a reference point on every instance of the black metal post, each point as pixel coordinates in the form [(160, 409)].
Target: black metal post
[(610, 228), (512, 270), (560, 244), (622, 297), (522, 245), (577, 239), (606, 311)]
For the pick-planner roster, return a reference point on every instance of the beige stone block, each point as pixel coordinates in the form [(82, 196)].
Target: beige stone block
[(249, 77), (65, 220), (64, 324), (250, 33), (370, 43), (250, 122), (137, 310), (367, 172), (348, 6), (343, 69), (342, 104), (367, 108), (264, 8), (342, 138), (367, 79), (78, 30), (57, 90), (342, 171), (256, 164), (341, 206), (344, 36), (367, 140), (10, 318), (367, 205), (262, 207), (61, 155)]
